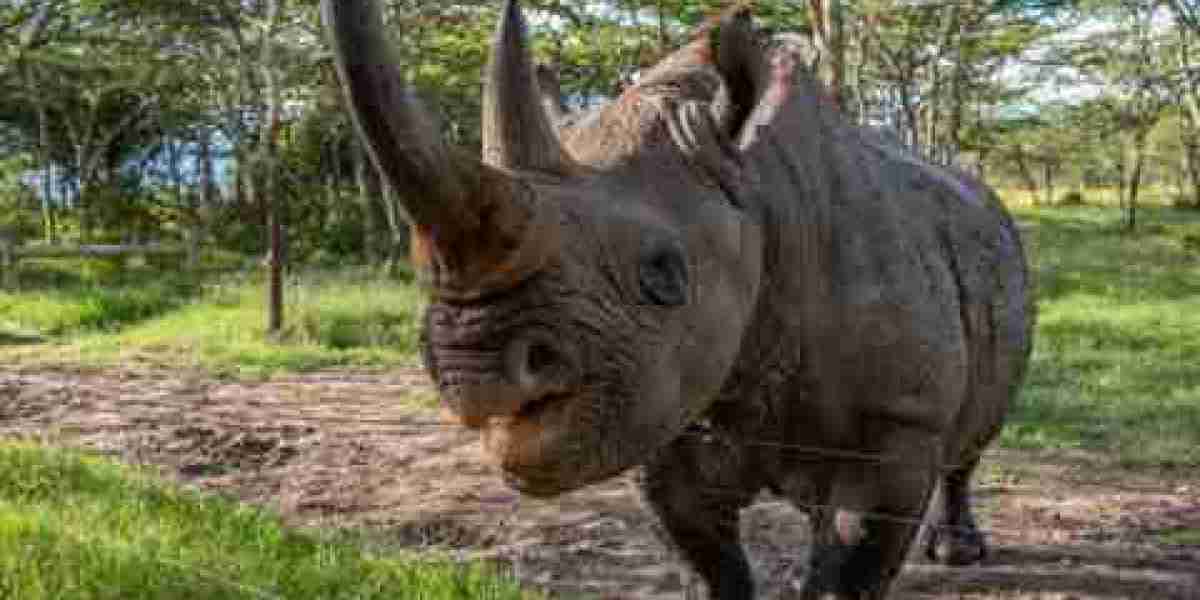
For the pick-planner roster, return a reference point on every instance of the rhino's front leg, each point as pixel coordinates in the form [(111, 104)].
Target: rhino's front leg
[(697, 487), (956, 540), (863, 531)]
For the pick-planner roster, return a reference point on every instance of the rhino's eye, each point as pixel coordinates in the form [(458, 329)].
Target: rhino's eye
[(663, 277)]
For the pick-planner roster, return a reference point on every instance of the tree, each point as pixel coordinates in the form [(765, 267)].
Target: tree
[(1187, 12), (1187, 89), (1129, 60)]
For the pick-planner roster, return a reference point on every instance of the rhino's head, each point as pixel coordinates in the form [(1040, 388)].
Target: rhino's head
[(590, 286)]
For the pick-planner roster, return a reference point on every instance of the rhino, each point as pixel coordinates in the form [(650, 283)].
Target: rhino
[(715, 278)]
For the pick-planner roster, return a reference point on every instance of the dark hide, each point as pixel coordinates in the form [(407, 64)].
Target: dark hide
[(731, 286)]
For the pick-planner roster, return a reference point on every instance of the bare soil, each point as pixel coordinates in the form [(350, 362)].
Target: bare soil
[(355, 450)]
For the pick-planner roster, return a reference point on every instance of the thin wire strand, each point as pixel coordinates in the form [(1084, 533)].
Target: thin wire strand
[(399, 426)]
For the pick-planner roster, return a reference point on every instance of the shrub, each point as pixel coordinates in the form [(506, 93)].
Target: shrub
[(1191, 242), (1073, 198)]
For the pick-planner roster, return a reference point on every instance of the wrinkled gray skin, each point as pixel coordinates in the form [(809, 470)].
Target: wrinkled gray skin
[(717, 278)]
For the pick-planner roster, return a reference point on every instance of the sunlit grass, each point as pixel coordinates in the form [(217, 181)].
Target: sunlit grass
[(61, 302), (83, 528), (1117, 349), (1149, 195), (218, 324)]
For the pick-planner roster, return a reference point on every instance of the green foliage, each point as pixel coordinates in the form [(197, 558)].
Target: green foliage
[(1072, 198), (73, 526), (126, 92), (1154, 195), (90, 295), (18, 202), (345, 318), (1115, 353)]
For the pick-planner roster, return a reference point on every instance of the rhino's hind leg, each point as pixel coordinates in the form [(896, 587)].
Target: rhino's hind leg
[(864, 528), (698, 488), (955, 539)]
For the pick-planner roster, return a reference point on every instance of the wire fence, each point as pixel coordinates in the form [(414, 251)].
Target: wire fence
[(357, 421)]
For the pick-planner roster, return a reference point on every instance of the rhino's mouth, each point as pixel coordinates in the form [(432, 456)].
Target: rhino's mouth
[(480, 397), (487, 373)]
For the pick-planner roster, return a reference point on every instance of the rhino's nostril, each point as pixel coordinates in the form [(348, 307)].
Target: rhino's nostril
[(542, 360), (538, 363)]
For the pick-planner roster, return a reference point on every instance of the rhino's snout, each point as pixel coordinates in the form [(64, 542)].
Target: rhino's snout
[(531, 371)]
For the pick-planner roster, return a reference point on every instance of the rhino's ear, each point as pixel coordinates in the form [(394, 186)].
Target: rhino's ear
[(742, 62), (704, 130), (696, 132)]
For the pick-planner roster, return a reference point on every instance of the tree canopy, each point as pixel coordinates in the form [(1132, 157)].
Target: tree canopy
[(196, 120)]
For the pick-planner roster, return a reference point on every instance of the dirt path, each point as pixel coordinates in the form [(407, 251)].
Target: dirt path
[(352, 449)]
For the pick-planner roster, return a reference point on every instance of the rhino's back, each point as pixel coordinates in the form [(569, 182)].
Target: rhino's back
[(928, 312), (954, 257)]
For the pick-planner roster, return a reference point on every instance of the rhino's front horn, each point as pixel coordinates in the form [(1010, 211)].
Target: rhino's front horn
[(476, 227), (401, 138), (517, 132)]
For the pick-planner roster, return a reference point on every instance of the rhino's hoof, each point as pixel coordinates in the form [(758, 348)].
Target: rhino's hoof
[(845, 571), (956, 549)]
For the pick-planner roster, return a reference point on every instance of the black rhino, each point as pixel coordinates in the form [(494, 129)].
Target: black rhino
[(715, 277)]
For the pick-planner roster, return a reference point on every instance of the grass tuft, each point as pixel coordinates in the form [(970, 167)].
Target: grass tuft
[(73, 526), (331, 320), (1116, 346)]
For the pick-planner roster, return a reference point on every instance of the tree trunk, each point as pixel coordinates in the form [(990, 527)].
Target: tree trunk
[(43, 159), (239, 180), (397, 228), (1022, 163), (48, 229), (268, 166), (664, 36), (910, 117), (1190, 97), (81, 199), (207, 183), (1191, 169), (1048, 182), (860, 76), (828, 35), (1135, 178), (175, 167), (367, 193), (931, 121), (333, 164), (957, 76), (837, 31), (1121, 181)]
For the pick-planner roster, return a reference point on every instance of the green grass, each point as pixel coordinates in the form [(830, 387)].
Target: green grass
[(55, 301), (215, 323), (1149, 195), (1182, 537), (1114, 366), (1118, 340), (83, 528)]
